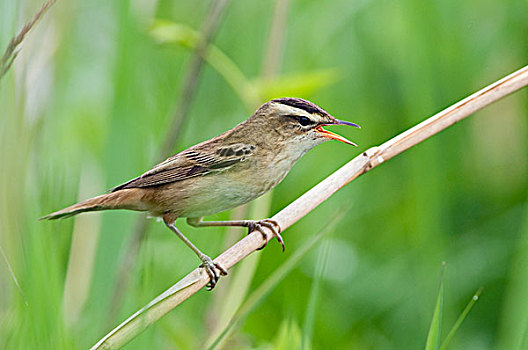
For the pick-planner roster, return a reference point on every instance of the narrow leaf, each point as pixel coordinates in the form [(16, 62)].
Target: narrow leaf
[(433, 337), (461, 319)]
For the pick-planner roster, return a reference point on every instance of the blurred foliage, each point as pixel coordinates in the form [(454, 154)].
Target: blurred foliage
[(92, 92)]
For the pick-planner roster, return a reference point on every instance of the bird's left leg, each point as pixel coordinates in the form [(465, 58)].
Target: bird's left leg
[(252, 225), (207, 263)]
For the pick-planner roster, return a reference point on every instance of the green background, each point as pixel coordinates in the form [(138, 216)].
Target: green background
[(87, 104)]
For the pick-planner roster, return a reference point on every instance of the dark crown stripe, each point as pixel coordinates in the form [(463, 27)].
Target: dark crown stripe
[(301, 104)]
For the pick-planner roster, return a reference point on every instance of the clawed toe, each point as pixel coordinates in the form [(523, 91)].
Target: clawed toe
[(211, 268), (270, 224), (273, 223), (223, 271), (258, 228)]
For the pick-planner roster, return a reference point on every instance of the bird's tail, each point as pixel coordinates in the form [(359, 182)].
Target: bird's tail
[(124, 199)]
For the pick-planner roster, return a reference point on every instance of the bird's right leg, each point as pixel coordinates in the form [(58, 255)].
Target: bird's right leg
[(252, 225), (207, 263)]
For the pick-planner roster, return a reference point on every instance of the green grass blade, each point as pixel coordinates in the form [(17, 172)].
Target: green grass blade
[(460, 319), (433, 337), (13, 276), (288, 336)]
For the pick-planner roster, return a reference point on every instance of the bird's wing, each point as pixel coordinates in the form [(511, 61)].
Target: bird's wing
[(196, 161)]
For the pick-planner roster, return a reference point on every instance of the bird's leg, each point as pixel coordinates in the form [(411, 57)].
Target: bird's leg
[(207, 263), (252, 225)]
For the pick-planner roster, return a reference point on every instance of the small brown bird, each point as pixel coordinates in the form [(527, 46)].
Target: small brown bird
[(224, 172)]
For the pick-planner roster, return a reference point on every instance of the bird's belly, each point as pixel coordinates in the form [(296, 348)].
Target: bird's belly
[(223, 194)]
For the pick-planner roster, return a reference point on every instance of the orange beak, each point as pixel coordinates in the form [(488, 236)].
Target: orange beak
[(337, 137)]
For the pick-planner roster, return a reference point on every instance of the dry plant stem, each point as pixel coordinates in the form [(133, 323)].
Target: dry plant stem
[(11, 51), (275, 45), (369, 159), (180, 114), (191, 78)]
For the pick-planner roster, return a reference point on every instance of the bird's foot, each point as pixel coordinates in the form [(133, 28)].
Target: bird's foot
[(212, 269), (270, 224)]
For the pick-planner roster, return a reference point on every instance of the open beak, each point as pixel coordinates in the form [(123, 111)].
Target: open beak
[(337, 137)]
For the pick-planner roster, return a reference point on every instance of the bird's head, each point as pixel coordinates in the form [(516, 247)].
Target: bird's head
[(300, 122)]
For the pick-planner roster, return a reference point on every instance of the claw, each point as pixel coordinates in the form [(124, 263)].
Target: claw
[(263, 233), (270, 224), (210, 267), (276, 232), (274, 223), (223, 271)]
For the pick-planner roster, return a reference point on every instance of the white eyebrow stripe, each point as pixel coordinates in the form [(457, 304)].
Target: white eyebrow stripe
[(285, 109)]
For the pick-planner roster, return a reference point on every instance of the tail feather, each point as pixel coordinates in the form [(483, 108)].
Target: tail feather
[(124, 199)]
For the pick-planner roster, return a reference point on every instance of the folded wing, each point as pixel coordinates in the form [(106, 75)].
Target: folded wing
[(196, 161)]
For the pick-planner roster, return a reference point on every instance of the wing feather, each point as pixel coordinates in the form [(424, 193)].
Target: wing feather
[(196, 161)]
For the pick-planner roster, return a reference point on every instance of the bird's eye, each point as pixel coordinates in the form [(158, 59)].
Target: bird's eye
[(304, 121)]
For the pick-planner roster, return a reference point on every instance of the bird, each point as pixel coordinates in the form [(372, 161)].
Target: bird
[(222, 173)]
